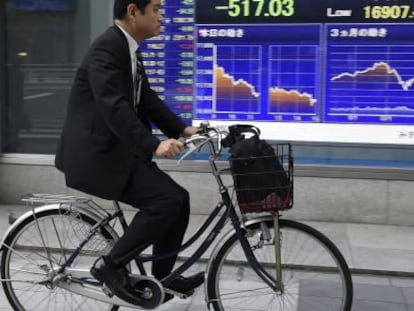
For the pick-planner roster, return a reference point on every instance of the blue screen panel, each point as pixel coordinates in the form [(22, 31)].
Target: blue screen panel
[(258, 72)]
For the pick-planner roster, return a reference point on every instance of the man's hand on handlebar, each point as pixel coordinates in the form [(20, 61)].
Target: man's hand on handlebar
[(169, 148), (195, 137)]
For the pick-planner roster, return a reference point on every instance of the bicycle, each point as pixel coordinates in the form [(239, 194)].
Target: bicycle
[(264, 262)]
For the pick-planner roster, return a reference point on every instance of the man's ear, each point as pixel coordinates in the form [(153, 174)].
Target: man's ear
[(132, 10)]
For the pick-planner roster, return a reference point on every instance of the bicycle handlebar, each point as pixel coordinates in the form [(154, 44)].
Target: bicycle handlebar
[(205, 135)]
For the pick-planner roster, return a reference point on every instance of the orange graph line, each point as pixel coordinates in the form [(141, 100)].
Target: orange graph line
[(226, 80), (291, 96)]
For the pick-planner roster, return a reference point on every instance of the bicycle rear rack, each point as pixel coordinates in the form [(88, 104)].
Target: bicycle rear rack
[(40, 198), (36, 199)]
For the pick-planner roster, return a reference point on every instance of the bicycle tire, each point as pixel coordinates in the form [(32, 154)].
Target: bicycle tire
[(28, 256), (315, 275)]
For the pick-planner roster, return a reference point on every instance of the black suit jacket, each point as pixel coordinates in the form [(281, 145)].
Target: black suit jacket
[(102, 135)]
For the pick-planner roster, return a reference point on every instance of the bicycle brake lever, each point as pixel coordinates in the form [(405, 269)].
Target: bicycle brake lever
[(192, 147)]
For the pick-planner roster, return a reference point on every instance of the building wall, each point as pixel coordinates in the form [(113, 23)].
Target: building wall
[(376, 198)]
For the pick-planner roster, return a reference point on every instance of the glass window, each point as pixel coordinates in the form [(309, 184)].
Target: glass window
[(45, 41)]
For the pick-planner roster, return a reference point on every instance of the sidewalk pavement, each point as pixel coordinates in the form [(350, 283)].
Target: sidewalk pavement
[(382, 258)]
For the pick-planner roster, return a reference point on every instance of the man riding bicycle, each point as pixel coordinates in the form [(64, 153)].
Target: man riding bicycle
[(107, 146)]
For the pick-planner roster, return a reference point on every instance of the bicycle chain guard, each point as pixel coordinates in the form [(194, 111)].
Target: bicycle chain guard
[(149, 289)]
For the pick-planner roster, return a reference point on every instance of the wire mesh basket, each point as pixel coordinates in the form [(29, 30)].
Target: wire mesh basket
[(264, 183)]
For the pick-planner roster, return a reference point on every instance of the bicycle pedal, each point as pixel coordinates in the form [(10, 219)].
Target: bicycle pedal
[(175, 293), (107, 291)]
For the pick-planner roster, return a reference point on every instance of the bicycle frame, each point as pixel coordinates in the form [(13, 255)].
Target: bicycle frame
[(229, 213)]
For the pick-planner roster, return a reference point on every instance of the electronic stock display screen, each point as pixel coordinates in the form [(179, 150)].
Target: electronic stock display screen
[(301, 70)]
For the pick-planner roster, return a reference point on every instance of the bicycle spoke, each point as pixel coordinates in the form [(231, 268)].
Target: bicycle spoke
[(35, 251), (312, 274)]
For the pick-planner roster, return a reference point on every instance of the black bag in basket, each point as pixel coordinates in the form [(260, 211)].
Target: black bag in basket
[(260, 180)]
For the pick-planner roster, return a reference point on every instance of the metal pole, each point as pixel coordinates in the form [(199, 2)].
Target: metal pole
[(278, 255)]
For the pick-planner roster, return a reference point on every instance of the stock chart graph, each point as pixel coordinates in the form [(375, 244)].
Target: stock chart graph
[(371, 81), (261, 80), (237, 94), (294, 80)]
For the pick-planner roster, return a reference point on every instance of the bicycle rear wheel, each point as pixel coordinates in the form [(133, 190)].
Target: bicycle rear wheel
[(315, 275), (37, 247)]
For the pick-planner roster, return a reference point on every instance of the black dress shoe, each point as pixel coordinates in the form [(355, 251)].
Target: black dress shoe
[(116, 279), (186, 285)]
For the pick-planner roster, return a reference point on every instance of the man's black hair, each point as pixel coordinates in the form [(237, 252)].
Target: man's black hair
[(120, 7)]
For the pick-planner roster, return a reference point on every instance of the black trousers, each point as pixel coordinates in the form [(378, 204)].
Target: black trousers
[(162, 220)]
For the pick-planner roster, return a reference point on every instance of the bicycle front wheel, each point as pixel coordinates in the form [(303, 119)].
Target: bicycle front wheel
[(315, 276), (36, 249)]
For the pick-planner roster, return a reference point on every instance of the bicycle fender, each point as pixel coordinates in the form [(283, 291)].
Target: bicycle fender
[(50, 207), (228, 235)]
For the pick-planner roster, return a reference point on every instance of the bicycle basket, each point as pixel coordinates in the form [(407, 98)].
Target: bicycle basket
[(262, 175)]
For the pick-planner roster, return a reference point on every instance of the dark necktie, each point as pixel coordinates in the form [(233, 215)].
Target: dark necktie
[(138, 78)]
